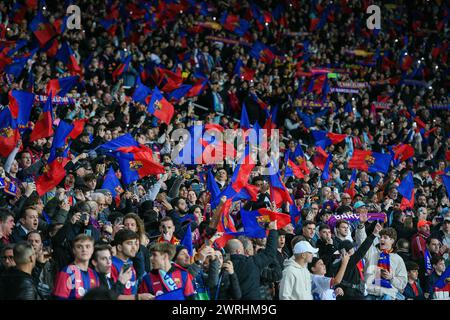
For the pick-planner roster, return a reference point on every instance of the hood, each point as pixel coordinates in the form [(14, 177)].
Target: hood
[(291, 263)]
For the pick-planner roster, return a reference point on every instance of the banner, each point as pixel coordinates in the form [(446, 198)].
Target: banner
[(344, 90), (228, 40), (56, 100), (440, 107), (382, 105), (314, 104), (352, 217)]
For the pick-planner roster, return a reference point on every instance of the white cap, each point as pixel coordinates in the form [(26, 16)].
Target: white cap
[(304, 246)]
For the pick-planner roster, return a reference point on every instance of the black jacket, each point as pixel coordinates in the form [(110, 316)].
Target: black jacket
[(248, 269), (18, 285), (351, 275), (116, 287), (18, 234)]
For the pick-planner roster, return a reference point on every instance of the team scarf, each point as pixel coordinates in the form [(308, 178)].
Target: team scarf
[(428, 266), (167, 280), (384, 263)]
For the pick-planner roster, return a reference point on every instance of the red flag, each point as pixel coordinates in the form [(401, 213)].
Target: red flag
[(54, 173)]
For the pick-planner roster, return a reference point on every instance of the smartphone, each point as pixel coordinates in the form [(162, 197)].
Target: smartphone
[(84, 216), (226, 257), (88, 232)]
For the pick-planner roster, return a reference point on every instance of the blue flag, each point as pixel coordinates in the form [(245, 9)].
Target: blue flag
[(187, 241)]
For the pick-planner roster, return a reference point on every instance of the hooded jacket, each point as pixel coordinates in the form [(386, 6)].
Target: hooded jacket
[(296, 282)]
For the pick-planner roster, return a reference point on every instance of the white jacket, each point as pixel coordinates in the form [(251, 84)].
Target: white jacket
[(296, 282), (372, 272)]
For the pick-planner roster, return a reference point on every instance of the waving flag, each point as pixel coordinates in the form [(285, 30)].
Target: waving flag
[(44, 125), (402, 152), (42, 29), (326, 170), (406, 189), (9, 134), (245, 122), (16, 67), (168, 80), (235, 24), (67, 56), (254, 221), (60, 140), (351, 184), (61, 86), (137, 164), (112, 183), (124, 143), (367, 160), (53, 174), (110, 25), (197, 88), (446, 181), (320, 158), (123, 66), (243, 72), (262, 53), (324, 138), (187, 240), (160, 107), (213, 189), (20, 104), (295, 214), (278, 191), (179, 93)]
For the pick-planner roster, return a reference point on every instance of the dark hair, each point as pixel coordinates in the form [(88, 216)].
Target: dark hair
[(324, 226), (411, 265), (312, 264), (33, 232), (22, 252), (401, 243), (99, 294), (164, 247), (125, 235), (339, 222), (166, 218), (82, 237), (89, 177), (5, 213), (436, 259), (432, 238), (101, 247), (307, 223), (390, 232)]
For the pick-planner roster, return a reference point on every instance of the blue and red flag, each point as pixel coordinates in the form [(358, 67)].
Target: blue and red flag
[(179, 93), (406, 189), (255, 221), (326, 170), (160, 107), (243, 72), (168, 80), (235, 24), (67, 56), (278, 191), (446, 182), (61, 86), (112, 183), (324, 138), (60, 140), (245, 122), (295, 214), (402, 152), (123, 66), (9, 134), (320, 158), (16, 66), (42, 29), (124, 143), (44, 125), (370, 161), (262, 53), (213, 189), (137, 164), (197, 88), (351, 184), (110, 25), (20, 104)]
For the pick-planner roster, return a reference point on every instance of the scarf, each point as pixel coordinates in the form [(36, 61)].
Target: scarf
[(167, 280), (384, 263), (428, 266)]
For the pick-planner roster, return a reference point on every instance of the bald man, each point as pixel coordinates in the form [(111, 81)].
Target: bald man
[(248, 266)]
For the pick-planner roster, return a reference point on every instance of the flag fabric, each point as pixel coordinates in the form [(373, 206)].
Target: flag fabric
[(320, 158), (60, 140), (367, 160), (67, 56), (122, 143), (112, 183), (16, 66), (61, 86), (213, 189), (176, 294), (137, 164), (324, 138), (442, 281), (254, 221), (44, 125), (384, 263), (123, 66), (402, 152), (245, 122), (427, 262), (187, 241), (406, 189), (197, 88), (42, 29), (235, 24), (9, 134), (160, 107), (262, 53), (351, 184), (295, 214), (326, 170), (53, 174), (278, 191), (446, 181), (20, 104)]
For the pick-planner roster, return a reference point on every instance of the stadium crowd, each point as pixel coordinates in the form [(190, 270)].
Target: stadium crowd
[(93, 205)]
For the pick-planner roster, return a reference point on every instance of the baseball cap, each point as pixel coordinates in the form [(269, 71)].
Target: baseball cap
[(422, 223), (304, 246), (359, 204), (447, 218)]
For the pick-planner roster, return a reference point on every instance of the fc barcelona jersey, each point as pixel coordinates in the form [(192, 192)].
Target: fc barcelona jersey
[(131, 287), (73, 283), (152, 282)]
